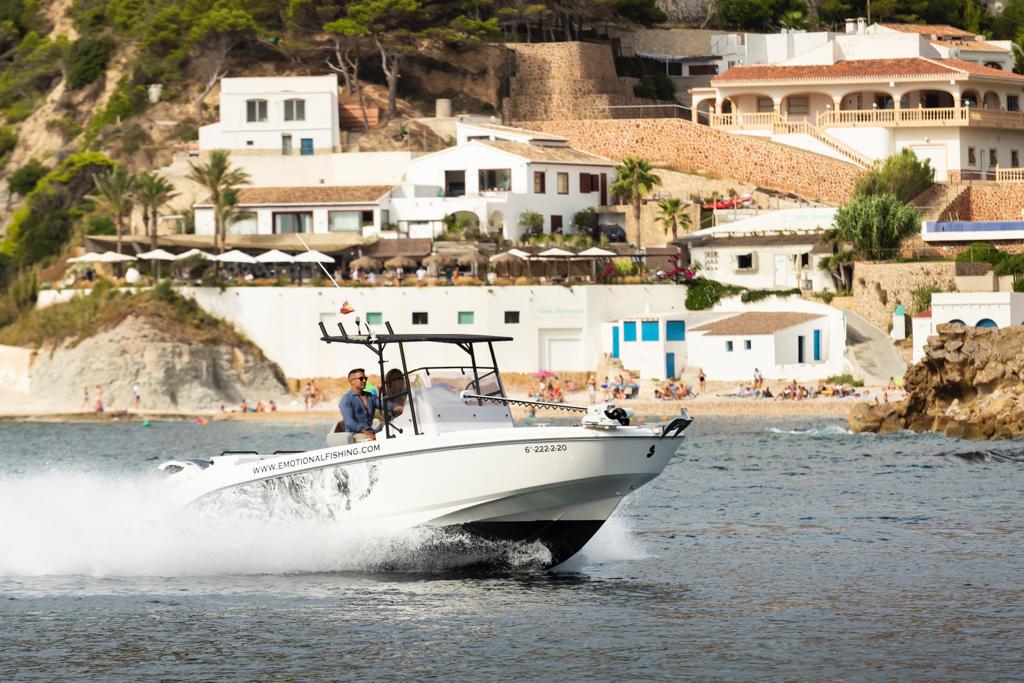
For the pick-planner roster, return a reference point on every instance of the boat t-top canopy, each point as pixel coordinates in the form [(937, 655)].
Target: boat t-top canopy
[(377, 343)]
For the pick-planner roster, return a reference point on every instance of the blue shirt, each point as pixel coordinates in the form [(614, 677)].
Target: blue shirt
[(357, 417)]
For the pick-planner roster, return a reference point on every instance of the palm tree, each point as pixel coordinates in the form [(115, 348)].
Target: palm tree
[(672, 214), (634, 177), (113, 195), (152, 191), (217, 176)]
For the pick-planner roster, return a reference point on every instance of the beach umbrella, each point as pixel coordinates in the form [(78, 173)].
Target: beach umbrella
[(194, 252), (365, 263), (403, 262), (313, 256), (556, 252), (509, 256), (235, 256), (472, 260), (157, 255), (87, 257), (437, 261), (594, 253), (544, 374), (275, 256), (114, 257)]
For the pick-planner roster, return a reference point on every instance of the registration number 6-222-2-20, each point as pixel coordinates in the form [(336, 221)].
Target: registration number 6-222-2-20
[(547, 448)]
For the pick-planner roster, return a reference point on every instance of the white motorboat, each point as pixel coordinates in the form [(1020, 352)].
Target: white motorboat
[(452, 459)]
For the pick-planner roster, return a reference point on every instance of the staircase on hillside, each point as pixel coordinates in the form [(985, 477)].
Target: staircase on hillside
[(807, 128)]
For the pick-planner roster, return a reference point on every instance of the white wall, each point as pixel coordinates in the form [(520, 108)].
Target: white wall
[(762, 276), (1006, 309), (774, 355), (349, 168), (232, 131), (283, 321), (429, 172)]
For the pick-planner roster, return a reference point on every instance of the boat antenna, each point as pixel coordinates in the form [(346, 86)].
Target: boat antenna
[(331, 277)]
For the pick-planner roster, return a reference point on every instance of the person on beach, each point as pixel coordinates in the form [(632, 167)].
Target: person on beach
[(307, 395), (85, 397), (701, 377), (592, 389), (136, 395), (758, 380)]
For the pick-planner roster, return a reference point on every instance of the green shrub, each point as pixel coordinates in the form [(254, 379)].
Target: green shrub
[(901, 174), (876, 224), (981, 252), (1011, 264), (24, 180), (751, 295), (641, 11), (921, 298), (100, 225), (846, 378), (1018, 286), (702, 294), (8, 140), (86, 61), (656, 87)]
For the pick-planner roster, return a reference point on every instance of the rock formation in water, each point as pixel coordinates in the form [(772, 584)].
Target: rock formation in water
[(173, 374), (969, 384)]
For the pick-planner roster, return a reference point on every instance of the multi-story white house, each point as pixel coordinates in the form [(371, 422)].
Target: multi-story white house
[(965, 118), (283, 116), (495, 181)]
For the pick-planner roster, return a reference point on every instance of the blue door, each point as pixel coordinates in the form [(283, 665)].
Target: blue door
[(306, 147), (615, 342), (817, 345), (670, 365)]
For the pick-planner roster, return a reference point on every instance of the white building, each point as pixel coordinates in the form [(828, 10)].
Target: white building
[(495, 182), (773, 250), (975, 309), (555, 328), (327, 209), (276, 115), (964, 118), (783, 338)]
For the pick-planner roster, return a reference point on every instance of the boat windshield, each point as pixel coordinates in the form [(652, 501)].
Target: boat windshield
[(436, 396)]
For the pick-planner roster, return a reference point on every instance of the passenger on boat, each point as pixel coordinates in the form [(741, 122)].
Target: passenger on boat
[(358, 406)]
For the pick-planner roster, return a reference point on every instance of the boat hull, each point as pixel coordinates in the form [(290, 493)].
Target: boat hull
[(552, 485)]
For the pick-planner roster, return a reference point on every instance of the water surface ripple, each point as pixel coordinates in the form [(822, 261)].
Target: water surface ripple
[(790, 550)]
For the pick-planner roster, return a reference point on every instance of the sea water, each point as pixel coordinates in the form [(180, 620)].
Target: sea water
[(782, 549)]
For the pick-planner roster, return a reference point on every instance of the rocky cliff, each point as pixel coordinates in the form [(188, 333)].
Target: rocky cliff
[(970, 384), (173, 375)]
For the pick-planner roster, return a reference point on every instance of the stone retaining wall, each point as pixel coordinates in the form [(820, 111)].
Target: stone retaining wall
[(879, 287), (564, 80), (693, 148)]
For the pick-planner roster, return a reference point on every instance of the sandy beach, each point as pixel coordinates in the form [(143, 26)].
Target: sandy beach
[(644, 410)]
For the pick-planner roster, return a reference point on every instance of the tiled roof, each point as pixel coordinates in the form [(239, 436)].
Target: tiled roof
[(512, 130), (318, 194), (754, 323), (971, 45), (861, 69), (727, 241), (553, 155), (944, 30)]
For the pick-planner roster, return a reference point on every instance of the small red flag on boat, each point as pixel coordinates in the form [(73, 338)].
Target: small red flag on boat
[(346, 308)]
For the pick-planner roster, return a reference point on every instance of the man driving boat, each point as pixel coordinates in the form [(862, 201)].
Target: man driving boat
[(358, 407)]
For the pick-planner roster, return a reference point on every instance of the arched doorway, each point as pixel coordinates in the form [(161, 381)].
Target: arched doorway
[(992, 101), (496, 223), (969, 98), (987, 323)]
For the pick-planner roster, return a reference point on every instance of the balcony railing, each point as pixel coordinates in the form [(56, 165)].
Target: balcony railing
[(1010, 175), (922, 118)]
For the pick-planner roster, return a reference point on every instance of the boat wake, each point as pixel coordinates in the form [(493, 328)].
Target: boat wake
[(85, 524)]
